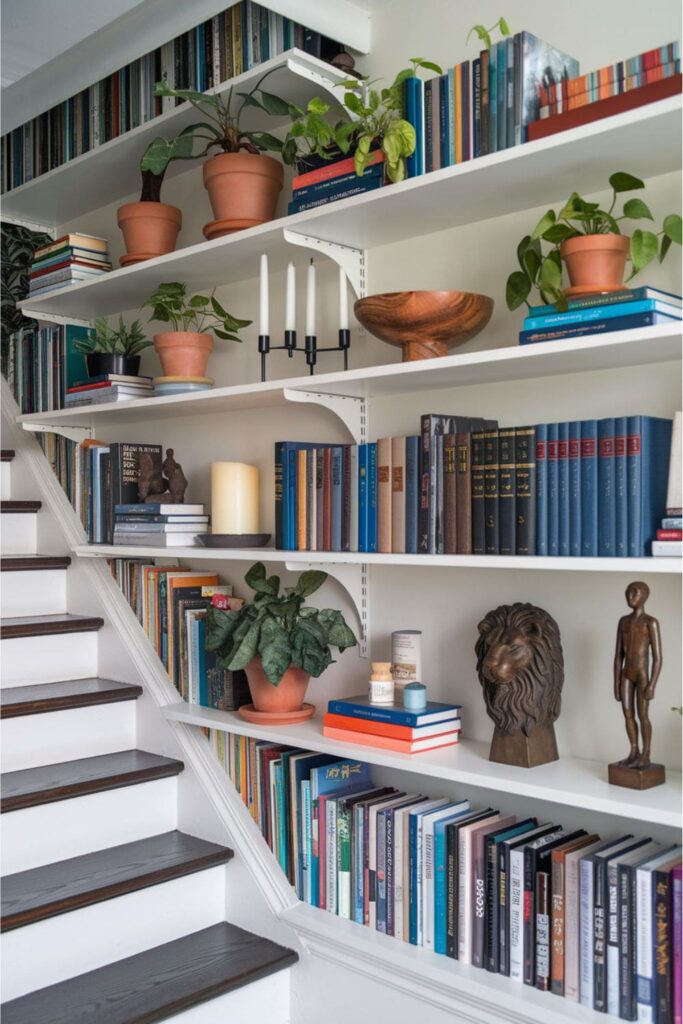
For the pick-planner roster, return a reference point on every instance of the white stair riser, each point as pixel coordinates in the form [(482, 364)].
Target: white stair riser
[(19, 531), (261, 1002), (40, 835), (34, 740), (46, 659), (36, 592), (62, 947), (5, 480)]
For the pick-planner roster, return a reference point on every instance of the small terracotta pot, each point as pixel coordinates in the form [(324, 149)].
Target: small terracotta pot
[(183, 353), (288, 695), (149, 230), (595, 263), (243, 190)]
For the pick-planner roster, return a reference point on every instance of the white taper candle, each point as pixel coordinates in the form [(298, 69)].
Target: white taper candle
[(343, 302), (310, 301), (263, 304), (290, 308)]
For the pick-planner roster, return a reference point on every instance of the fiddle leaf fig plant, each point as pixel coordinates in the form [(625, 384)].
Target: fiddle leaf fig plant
[(278, 627), (543, 269), (157, 157), (484, 34), (201, 314)]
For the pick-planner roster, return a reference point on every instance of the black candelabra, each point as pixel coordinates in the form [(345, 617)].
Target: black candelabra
[(311, 349)]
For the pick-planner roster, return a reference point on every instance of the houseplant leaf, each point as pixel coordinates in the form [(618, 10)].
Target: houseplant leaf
[(672, 227), (644, 248), (623, 182), (309, 582)]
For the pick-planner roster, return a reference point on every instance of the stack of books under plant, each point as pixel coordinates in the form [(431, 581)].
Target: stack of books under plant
[(393, 726), (112, 359)]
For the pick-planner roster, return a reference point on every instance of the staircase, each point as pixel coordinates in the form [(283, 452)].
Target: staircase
[(110, 913)]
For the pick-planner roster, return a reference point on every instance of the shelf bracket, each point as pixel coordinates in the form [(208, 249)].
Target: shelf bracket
[(351, 411), (352, 261), (354, 579), (73, 433), (42, 316)]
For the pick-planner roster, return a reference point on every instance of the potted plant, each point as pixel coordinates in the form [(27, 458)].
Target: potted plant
[(150, 228), (279, 641), (185, 349), (589, 241), (112, 350)]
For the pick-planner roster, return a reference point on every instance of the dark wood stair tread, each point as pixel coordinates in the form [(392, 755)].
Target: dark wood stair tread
[(156, 984), (30, 896), (31, 563), (52, 782), (44, 625), (7, 454), (67, 693), (20, 506)]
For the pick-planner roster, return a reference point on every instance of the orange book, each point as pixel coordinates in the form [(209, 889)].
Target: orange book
[(396, 732), (557, 909), (444, 739), (150, 605), (384, 495), (179, 578), (301, 497)]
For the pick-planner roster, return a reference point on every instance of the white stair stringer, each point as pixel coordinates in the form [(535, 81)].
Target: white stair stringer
[(76, 826), (47, 659), (19, 533), (33, 592), (69, 944), (261, 1002)]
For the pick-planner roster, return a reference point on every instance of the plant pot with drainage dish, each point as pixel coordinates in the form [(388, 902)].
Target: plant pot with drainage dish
[(110, 350), (280, 642), (588, 240), (150, 228), (184, 350)]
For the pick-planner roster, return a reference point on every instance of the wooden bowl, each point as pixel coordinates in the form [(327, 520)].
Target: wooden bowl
[(426, 324)]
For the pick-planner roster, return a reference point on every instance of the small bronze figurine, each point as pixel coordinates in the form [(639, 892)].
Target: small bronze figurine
[(635, 679), (150, 481), (521, 671), (177, 484), (164, 482)]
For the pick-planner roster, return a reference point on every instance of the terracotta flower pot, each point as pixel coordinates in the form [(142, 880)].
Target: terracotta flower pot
[(149, 230), (595, 263), (288, 695), (183, 353), (243, 190)]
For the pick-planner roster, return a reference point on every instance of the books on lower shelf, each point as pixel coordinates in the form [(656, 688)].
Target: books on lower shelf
[(465, 485), (171, 605), (66, 261), (596, 921)]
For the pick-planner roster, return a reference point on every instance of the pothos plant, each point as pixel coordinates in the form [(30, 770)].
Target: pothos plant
[(278, 628), (484, 34), (543, 269), (201, 314)]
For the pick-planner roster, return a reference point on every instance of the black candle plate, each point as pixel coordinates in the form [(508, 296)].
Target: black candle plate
[(233, 540)]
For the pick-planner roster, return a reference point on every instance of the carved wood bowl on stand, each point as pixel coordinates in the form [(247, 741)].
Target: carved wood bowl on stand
[(425, 324)]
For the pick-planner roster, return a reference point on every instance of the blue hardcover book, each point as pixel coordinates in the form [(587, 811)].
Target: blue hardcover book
[(604, 326), (648, 447), (414, 115), (412, 490), (372, 496), (441, 879), (333, 186), (672, 523), (395, 714), (493, 100), (621, 486), (451, 116), (339, 777), (281, 506), (444, 122), (604, 301), (610, 312), (362, 497), (352, 188), (563, 487), (607, 507), (476, 107), (589, 488), (575, 488), (553, 490), (291, 498), (501, 91), (429, 126), (337, 496), (509, 92), (281, 816), (542, 489), (300, 767)]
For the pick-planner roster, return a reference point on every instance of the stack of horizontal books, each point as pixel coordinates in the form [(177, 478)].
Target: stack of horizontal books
[(159, 525), (601, 314), (66, 261), (335, 180), (391, 726), (109, 387)]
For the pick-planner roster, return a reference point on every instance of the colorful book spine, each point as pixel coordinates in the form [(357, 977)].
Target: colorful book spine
[(607, 508), (648, 446), (507, 492), (553, 490), (412, 493), (604, 326), (590, 313), (563, 488)]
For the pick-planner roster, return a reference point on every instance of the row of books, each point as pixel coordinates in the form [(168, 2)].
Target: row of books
[(601, 314), (336, 180), (215, 51), (108, 387), (171, 606), (463, 486), (594, 920), (42, 365), (66, 261), (392, 726)]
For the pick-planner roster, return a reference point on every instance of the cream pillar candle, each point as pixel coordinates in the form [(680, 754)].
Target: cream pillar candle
[(234, 498)]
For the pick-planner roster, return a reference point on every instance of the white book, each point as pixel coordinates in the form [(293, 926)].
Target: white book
[(516, 891), (667, 548), (674, 493), (372, 852), (428, 874), (306, 837), (465, 884), (416, 901), (331, 874), (400, 815), (586, 934), (215, 33), (155, 540), (571, 918)]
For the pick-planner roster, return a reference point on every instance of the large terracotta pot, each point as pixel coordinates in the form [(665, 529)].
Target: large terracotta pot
[(595, 263), (243, 190), (149, 230), (183, 353), (288, 695)]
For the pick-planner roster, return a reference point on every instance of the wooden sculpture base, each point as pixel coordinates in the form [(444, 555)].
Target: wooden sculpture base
[(636, 778), (539, 747), (423, 349)]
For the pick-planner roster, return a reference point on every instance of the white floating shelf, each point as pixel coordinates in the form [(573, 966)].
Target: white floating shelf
[(629, 565), (646, 140), (570, 781), (641, 347), (111, 171)]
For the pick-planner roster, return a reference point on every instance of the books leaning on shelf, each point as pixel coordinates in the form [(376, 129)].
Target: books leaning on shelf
[(391, 726), (109, 388), (42, 365), (465, 486), (158, 525), (601, 314), (66, 261), (596, 921), (171, 606)]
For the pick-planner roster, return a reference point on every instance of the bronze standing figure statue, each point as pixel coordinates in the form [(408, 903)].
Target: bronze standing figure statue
[(637, 666)]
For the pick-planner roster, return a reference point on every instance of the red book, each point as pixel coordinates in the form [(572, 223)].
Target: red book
[(446, 739), (65, 266), (669, 534), (605, 108), (335, 169), (388, 729)]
